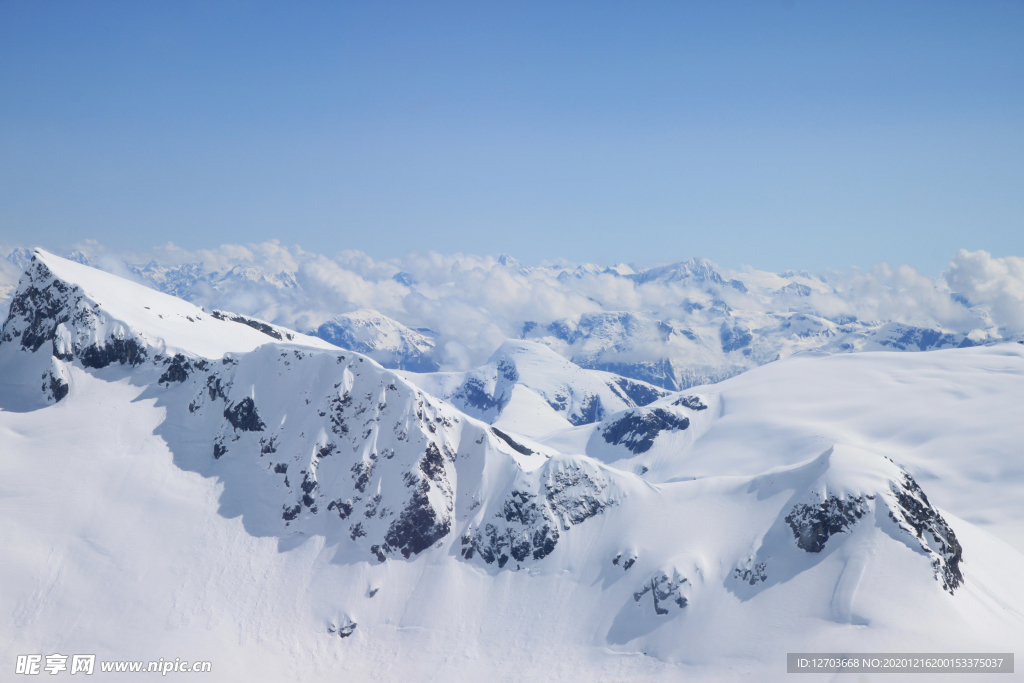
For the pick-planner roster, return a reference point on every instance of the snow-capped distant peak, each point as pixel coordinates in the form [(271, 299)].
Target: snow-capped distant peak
[(387, 341)]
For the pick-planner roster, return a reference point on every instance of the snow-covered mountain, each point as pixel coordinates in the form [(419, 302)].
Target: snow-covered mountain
[(530, 389), (387, 341), (177, 483)]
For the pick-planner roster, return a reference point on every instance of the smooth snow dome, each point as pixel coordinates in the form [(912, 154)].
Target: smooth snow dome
[(228, 490)]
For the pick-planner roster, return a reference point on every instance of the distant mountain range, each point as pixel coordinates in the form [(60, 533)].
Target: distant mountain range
[(673, 326)]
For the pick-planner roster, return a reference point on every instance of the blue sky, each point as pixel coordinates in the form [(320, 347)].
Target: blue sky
[(776, 134)]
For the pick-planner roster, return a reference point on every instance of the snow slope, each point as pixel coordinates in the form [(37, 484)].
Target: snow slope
[(529, 389), (291, 511)]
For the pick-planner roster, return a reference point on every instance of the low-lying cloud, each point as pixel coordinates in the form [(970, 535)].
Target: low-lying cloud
[(470, 303)]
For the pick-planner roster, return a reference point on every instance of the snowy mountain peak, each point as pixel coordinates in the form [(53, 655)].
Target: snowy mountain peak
[(387, 341), (66, 311), (698, 269)]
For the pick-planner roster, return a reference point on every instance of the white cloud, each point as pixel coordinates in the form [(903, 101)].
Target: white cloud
[(475, 302), (994, 283)]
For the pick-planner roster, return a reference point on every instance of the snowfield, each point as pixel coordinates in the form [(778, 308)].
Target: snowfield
[(204, 485)]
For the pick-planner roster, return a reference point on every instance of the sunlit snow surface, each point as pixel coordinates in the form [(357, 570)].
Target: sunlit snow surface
[(147, 513)]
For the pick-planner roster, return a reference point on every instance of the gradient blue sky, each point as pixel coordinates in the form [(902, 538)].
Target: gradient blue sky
[(775, 134)]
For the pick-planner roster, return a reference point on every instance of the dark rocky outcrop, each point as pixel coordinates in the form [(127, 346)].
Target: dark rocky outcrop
[(40, 309), (664, 590), (914, 514), (420, 525), (513, 444), (178, 370), (637, 429), (814, 523), (639, 393), (243, 416), (529, 523), (691, 402), (123, 351), (255, 324), (58, 387)]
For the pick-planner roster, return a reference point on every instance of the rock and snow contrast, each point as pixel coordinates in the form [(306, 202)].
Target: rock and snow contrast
[(188, 482)]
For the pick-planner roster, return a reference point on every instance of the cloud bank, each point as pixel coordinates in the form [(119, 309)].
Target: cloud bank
[(689, 313)]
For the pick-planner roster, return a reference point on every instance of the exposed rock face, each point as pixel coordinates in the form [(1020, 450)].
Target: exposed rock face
[(266, 328), (55, 385), (345, 630), (665, 590), (513, 444), (637, 429), (243, 416), (541, 505), (39, 306), (752, 572), (49, 310), (691, 402), (639, 392), (914, 514), (813, 524), (420, 524)]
